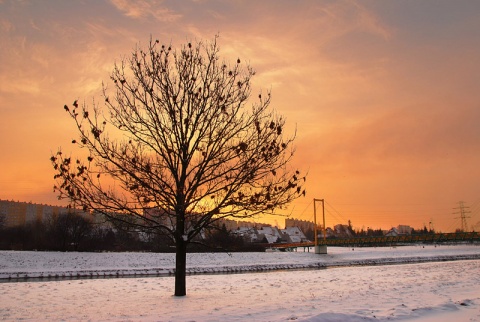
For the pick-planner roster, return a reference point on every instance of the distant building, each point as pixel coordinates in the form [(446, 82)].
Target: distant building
[(247, 233), (393, 232), (269, 235), (399, 230), (20, 213), (342, 231), (293, 235), (329, 233), (304, 225), (404, 230), (230, 224)]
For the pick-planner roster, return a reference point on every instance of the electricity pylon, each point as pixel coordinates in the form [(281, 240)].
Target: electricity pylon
[(462, 212)]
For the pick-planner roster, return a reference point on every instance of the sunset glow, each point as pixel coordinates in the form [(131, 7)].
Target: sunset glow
[(383, 95)]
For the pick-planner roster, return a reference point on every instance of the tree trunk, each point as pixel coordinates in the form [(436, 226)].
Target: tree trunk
[(181, 268)]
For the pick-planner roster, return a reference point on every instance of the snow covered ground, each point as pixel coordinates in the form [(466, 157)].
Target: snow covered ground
[(433, 284)]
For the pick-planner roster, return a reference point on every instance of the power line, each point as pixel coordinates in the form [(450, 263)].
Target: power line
[(309, 204), (340, 218)]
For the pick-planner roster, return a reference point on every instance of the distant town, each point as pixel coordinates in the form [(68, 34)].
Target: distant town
[(27, 226)]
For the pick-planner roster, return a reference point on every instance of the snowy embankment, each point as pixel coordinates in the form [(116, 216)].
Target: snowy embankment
[(22, 266), (438, 287)]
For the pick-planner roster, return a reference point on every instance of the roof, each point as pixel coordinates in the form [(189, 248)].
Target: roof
[(294, 231), (271, 239)]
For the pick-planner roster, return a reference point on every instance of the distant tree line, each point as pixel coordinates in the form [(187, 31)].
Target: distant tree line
[(73, 232), (379, 232), (348, 230), (369, 232)]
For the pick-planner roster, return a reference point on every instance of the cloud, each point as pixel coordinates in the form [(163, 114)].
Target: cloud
[(6, 26), (19, 85), (383, 95), (142, 9)]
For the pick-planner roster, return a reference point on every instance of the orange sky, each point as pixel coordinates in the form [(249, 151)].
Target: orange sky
[(385, 95)]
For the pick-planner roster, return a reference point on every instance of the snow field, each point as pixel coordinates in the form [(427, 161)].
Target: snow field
[(428, 291)]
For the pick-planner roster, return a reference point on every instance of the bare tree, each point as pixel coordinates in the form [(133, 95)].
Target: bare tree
[(68, 230), (179, 145)]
